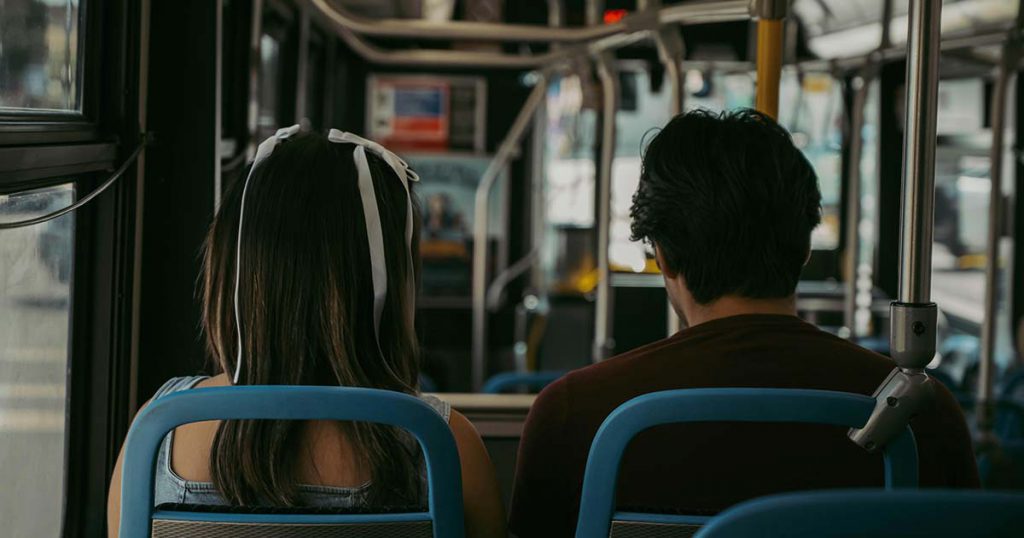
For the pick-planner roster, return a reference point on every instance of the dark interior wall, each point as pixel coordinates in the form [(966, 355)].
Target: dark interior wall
[(178, 195), (890, 158)]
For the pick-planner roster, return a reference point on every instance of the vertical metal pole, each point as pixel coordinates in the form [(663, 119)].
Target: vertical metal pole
[(538, 227), (506, 151), (255, 33), (886, 25), (853, 193), (556, 14), (907, 389), (917, 214), (670, 51), (853, 190), (608, 74), (986, 370), (594, 12), (302, 65), (771, 14), (218, 91)]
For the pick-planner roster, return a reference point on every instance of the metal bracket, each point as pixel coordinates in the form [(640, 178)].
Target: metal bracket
[(897, 400), (907, 389), (913, 334)]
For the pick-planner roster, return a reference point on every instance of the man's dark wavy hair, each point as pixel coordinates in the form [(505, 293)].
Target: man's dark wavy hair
[(730, 202)]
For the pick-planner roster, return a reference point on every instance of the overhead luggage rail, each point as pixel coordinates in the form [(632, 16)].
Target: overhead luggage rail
[(879, 514), (597, 505), (444, 515)]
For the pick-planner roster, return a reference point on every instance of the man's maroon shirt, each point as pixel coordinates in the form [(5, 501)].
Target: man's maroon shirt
[(704, 468)]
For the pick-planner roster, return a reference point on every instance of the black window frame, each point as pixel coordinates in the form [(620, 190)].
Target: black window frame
[(40, 126), (40, 148)]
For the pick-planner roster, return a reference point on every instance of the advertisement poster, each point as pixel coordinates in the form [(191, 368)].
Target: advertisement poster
[(427, 113)]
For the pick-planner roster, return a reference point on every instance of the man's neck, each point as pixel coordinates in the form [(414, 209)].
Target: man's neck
[(732, 305)]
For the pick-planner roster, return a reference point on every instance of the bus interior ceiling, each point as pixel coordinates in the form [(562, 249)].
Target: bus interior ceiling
[(98, 308)]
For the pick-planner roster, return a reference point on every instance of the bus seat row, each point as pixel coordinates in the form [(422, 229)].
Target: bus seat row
[(443, 515), (878, 514), (597, 506)]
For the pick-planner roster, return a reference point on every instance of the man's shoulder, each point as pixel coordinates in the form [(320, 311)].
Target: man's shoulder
[(617, 366)]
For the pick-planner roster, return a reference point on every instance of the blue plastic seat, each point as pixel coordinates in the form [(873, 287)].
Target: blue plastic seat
[(598, 515), (1013, 387), (1009, 417), (874, 513), (533, 382), (443, 518)]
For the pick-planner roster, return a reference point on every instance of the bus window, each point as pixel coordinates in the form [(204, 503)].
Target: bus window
[(570, 169), (718, 91), (811, 108), (35, 275), (962, 189), (39, 56), (634, 126)]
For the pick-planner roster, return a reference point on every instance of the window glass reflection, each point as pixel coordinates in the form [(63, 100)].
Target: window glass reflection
[(39, 55), (35, 278)]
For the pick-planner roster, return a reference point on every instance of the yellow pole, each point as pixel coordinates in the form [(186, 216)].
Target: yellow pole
[(769, 65)]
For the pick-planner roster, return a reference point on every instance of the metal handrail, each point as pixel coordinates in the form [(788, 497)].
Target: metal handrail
[(506, 151), (917, 215), (608, 75), (853, 214), (913, 317), (771, 15), (707, 11), (867, 75), (1011, 55), (671, 51), (636, 29)]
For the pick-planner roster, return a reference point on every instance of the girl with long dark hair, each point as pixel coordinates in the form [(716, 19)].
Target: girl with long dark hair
[(314, 257)]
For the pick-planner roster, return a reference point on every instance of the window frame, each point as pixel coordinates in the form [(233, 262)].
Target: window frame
[(47, 126), (41, 148)]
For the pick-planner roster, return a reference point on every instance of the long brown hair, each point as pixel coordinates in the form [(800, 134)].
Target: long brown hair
[(306, 309)]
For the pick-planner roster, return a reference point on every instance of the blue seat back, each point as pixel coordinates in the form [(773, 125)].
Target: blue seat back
[(1002, 467), (597, 505), (444, 479), (874, 513), (1009, 416), (531, 381), (1013, 387)]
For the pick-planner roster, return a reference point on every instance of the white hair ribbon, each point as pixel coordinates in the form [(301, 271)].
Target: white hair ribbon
[(371, 213), (262, 152)]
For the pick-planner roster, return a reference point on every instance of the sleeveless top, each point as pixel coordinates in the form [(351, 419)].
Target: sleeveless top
[(173, 489)]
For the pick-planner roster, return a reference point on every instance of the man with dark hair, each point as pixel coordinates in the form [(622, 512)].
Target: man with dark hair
[(728, 203)]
